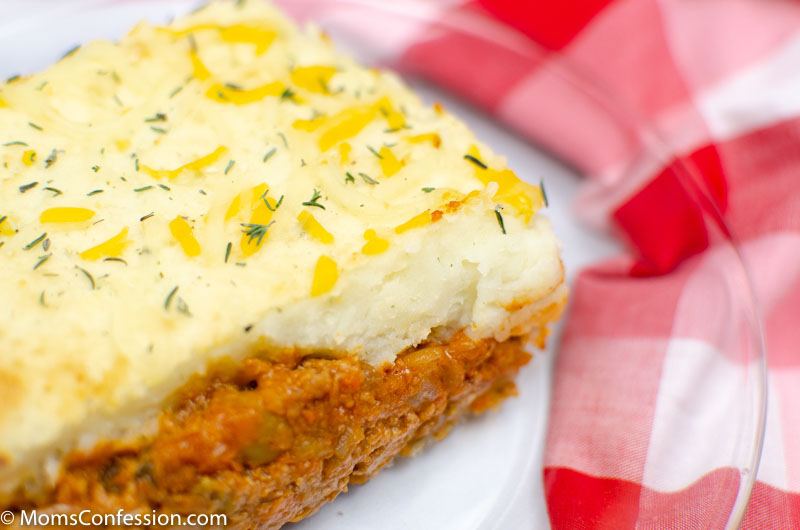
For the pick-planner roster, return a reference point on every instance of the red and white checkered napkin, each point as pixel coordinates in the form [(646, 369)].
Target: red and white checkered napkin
[(655, 406), (655, 403)]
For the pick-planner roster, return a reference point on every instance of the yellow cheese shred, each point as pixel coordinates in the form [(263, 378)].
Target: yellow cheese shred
[(417, 221), (314, 229), (326, 273), (344, 152), (313, 78), (433, 138), (109, 249), (374, 245), (389, 163), (29, 157), (395, 119), (199, 70), (182, 232), (66, 214), (345, 125), (309, 125), (261, 216), (226, 94), (261, 37), (195, 165), (5, 227), (524, 198)]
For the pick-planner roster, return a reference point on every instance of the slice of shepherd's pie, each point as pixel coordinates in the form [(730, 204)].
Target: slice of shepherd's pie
[(240, 272)]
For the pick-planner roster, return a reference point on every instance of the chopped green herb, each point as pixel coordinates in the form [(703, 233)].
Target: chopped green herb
[(240, 264), (183, 307), (269, 154), (41, 299), (500, 221), (56, 191), (94, 192), (230, 165), (120, 260), (41, 261), (544, 193), (88, 276), (202, 192), (26, 187), (164, 187), (228, 251), (143, 188), (115, 76), (175, 92), (428, 190), (38, 128), (287, 94), (95, 168), (232, 86), (146, 217), (44, 84), (3, 219), (277, 204), (136, 164), (159, 130), (314, 198), (12, 78), (15, 143), (349, 178), (170, 296), (285, 143), (476, 161), (368, 179), (46, 244), (160, 116), (253, 231), (51, 159), (374, 152)]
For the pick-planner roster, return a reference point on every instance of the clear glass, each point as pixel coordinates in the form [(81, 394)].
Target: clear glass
[(503, 449)]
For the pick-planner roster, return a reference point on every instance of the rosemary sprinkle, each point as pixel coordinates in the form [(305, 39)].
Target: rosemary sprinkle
[(41, 261), (26, 187), (88, 276), (368, 179), (314, 198), (476, 161), (500, 221), (253, 231)]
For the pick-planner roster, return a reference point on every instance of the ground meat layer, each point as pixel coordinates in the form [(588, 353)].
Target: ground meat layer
[(267, 442)]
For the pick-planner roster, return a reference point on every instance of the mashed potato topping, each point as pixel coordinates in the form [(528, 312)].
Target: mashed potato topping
[(231, 184)]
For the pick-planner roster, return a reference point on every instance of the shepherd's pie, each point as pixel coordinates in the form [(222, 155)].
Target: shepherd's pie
[(239, 272)]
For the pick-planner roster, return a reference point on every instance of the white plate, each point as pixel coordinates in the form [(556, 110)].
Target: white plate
[(487, 473)]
